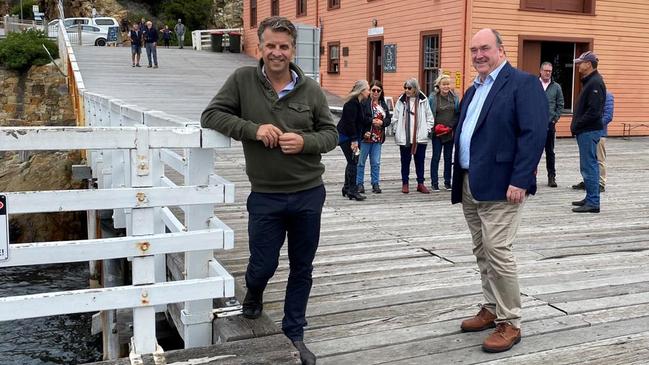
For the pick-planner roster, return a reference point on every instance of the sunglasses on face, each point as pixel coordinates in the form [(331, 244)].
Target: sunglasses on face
[(407, 87), (376, 90)]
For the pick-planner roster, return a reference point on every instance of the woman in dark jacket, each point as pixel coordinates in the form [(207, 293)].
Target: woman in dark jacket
[(445, 107), (373, 136), (349, 129)]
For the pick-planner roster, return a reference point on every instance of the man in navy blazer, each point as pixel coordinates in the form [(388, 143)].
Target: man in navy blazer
[(498, 144)]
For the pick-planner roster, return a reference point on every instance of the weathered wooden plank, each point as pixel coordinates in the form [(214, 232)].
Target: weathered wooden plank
[(275, 349), (628, 349), (533, 342)]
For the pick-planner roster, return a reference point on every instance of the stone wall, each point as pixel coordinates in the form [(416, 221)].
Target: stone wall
[(38, 98)]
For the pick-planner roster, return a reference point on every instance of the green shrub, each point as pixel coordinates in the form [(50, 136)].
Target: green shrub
[(20, 50)]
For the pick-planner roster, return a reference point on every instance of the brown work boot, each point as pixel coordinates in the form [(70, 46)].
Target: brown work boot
[(483, 320), (503, 338)]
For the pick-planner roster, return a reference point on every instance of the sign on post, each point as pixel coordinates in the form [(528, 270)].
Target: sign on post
[(4, 229), (112, 34)]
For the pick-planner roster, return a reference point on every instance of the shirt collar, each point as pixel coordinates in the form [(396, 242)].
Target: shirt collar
[(290, 85), (491, 77)]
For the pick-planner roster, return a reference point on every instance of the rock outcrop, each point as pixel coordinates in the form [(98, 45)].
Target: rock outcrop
[(38, 98)]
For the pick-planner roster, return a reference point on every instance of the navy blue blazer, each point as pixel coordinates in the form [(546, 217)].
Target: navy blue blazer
[(508, 140)]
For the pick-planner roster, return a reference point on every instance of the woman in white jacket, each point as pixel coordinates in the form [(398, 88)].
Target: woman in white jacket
[(412, 121)]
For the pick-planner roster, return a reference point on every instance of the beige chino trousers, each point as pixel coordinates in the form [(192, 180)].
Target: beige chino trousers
[(493, 226)]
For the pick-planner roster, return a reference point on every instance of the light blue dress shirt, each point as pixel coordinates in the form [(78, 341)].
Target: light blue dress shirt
[(482, 89), (289, 87)]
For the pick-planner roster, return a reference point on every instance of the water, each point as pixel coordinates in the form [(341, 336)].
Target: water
[(62, 339)]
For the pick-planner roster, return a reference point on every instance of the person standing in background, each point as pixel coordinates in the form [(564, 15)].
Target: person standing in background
[(445, 106), (373, 136), (413, 121), (151, 44), (180, 33), (587, 127), (136, 45), (166, 36), (555, 104), (349, 129)]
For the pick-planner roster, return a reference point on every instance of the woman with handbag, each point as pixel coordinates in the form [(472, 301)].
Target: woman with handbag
[(445, 107), (373, 136), (413, 122), (349, 132)]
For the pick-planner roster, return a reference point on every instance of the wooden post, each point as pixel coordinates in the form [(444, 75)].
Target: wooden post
[(144, 335), (197, 315)]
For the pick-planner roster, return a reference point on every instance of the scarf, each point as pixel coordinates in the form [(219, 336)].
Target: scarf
[(413, 143)]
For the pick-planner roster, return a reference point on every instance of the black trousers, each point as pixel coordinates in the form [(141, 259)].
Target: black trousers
[(351, 168), (549, 151), (272, 218)]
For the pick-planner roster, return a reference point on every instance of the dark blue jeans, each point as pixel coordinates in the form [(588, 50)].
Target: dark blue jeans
[(434, 162), (272, 218), (406, 157), (587, 143)]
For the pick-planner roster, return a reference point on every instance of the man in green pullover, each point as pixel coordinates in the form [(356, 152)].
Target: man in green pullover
[(283, 121)]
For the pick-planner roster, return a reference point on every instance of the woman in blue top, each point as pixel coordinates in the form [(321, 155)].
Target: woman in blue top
[(349, 131), (445, 107)]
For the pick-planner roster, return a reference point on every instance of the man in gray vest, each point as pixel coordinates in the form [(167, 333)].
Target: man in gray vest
[(180, 33), (555, 102)]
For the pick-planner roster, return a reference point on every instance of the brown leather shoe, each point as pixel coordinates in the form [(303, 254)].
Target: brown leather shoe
[(422, 189), (483, 320), (405, 189), (503, 338)]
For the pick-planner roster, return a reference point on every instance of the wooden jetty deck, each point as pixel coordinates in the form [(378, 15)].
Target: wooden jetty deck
[(394, 275)]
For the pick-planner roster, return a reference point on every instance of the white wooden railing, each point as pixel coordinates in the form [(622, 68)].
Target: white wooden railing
[(131, 151), (128, 162)]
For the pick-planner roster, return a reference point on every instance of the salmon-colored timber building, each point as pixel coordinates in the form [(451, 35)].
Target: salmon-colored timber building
[(392, 40)]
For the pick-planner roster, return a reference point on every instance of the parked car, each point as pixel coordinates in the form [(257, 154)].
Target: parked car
[(102, 22), (90, 35)]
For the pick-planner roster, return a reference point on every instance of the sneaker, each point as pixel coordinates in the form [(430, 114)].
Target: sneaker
[(376, 189), (447, 185), (480, 322), (580, 186), (156, 66), (435, 187), (133, 65), (137, 65), (503, 338), (361, 188), (149, 66), (422, 189)]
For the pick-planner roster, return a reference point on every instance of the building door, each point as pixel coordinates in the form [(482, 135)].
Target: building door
[(375, 59), (561, 54)]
